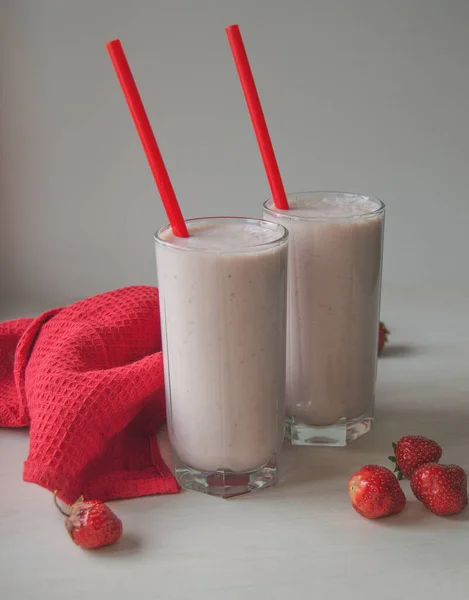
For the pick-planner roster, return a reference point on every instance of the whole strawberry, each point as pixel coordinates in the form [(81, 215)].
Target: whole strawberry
[(91, 523), (441, 488), (382, 337), (375, 492), (411, 451)]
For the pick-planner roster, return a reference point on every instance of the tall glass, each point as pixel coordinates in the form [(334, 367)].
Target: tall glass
[(223, 313), (334, 290)]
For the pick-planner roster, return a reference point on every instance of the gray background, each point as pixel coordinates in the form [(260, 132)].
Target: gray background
[(359, 95)]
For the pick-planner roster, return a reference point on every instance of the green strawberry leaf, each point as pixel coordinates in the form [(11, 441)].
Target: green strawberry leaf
[(392, 458)]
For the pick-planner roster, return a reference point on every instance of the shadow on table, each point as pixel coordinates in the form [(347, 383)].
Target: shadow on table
[(394, 350), (129, 544), (414, 515), (463, 516), (448, 424)]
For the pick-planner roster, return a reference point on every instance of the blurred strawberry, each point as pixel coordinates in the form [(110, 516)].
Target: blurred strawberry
[(383, 337)]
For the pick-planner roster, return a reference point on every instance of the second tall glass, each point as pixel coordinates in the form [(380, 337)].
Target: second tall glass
[(334, 288), (223, 313)]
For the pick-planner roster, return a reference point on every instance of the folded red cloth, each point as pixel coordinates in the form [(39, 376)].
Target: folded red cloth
[(88, 381)]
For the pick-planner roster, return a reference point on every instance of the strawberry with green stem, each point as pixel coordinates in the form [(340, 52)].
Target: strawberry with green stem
[(411, 451)]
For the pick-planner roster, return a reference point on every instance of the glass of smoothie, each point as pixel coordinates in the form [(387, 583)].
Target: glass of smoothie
[(334, 290), (223, 314)]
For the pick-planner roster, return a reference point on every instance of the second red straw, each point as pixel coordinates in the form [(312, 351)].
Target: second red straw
[(257, 117), (147, 137)]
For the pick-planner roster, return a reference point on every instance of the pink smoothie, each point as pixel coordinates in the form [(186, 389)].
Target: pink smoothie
[(223, 312), (334, 286)]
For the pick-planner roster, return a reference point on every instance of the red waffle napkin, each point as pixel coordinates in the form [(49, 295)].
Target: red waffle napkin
[(88, 381)]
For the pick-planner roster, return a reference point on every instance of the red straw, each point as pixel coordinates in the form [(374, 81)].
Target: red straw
[(257, 116), (147, 137)]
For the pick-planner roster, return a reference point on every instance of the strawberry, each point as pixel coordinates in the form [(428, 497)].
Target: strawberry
[(411, 451), (383, 337), (91, 523), (441, 488), (375, 492)]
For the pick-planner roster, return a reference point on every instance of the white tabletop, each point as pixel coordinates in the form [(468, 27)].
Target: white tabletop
[(299, 540)]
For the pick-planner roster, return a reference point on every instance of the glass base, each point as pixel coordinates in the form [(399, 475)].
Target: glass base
[(341, 433), (226, 483)]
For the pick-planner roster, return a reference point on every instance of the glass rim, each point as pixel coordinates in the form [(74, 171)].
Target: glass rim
[(278, 212), (283, 236)]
